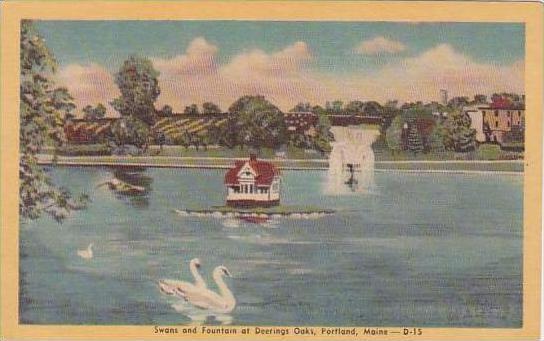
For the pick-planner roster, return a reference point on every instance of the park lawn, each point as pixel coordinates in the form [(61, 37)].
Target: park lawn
[(506, 166), (237, 152), (485, 152)]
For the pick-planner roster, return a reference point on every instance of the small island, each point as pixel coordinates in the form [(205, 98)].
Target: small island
[(253, 194), (258, 214)]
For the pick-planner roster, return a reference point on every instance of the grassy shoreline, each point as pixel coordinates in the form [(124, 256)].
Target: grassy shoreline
[(510, 166)]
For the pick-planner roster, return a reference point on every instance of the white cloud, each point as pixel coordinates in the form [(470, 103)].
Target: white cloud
[(380, 45), (89, 85), (285, 78)]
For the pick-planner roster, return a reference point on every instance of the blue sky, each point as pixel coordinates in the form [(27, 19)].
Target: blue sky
[(290, 62), (110, 42)]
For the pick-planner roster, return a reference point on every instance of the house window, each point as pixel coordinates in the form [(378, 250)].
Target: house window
[(236, 189), (250, 188), (496, 113), (496, 124), (508, 124)]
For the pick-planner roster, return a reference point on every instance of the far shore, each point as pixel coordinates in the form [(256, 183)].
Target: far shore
[(437, 166)]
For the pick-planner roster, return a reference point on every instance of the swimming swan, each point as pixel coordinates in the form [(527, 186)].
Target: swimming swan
[(204, 298), (86, 254), (168, 286)]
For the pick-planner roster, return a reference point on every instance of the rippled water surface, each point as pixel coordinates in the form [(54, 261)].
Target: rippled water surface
[(418, 249)]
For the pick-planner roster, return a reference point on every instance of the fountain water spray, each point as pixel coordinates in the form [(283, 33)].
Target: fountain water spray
[(351, 163)]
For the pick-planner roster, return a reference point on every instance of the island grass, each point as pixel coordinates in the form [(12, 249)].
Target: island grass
[(281, 209)]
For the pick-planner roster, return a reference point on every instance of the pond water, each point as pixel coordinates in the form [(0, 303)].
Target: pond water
[(436, 250)]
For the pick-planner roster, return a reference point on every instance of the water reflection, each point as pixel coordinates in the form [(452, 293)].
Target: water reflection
[(130, 184)]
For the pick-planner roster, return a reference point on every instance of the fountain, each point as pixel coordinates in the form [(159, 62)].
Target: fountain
[(351, 163)]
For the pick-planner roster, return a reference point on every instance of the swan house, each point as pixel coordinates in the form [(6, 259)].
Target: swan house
[(253, 183)]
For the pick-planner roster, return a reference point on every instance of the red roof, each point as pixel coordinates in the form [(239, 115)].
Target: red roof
[(265, 172), (505, 103)]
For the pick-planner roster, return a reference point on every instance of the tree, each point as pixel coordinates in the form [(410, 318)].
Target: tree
[(372, 108), (130, 130), (337, 106), (415, 145), (210, 108), (160, 139), (459, 136), (393, 135), (191, 110), (458, 102), (257, 122), (480, 99), (354, 107), (42, 111), (185, 139), (63, 102), (389, 112), (436, 138), (93, 114), (138, 83), (323, 137), (302, 107), (166, 111)]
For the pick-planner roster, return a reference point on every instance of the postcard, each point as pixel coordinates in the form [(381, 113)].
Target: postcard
[(283, 170)]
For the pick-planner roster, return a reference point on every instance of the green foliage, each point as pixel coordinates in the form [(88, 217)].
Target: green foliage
[(210, 108), (372, 108), (480, 99), (515, 135), (42, 111), (166, 111), (185, 139), (354, 107), (302, 107), (414, 143), (138, 82), (256, 122), (459, 136), (389, 112), (324, 136), (458, 102), (191, 110), (93, 114), (436, 138), (393, 135), (130, 131)]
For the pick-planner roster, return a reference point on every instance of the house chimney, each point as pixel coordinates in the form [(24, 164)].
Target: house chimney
[(252, 157)]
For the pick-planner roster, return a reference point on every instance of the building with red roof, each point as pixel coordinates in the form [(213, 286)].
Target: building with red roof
[(253, 183), (495, 121)]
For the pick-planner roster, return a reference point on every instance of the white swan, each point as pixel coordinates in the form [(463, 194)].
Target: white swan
[(169, 286), (87, 253), (204, 298)]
